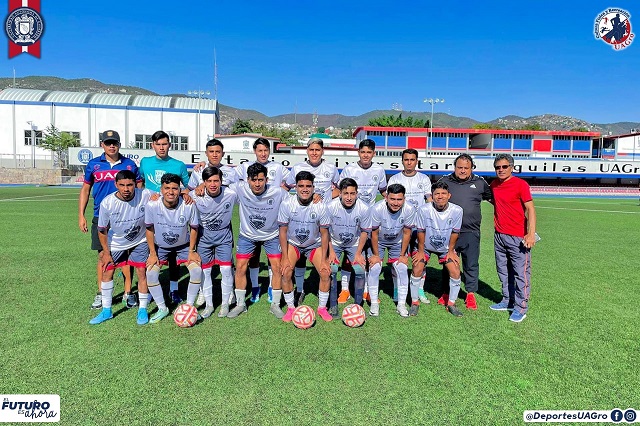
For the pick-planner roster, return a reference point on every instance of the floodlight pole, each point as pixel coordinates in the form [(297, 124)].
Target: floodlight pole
[(199, 93), (431, 101), (33, 142)]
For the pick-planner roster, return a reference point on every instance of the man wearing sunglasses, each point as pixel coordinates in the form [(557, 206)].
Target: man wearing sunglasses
[(515, 223)]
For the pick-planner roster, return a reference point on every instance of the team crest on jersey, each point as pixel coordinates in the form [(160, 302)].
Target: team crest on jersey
[(420, 186), (390, 236), (257, 221), (96, 167), (227, 206), (327, 175), (313, 215), (142, 209), (270, 201), (158, 175), (375, 178), (170, 237), (449, 221), (131, 233), (437, 241), (182, 220), (346, 237), (357, 221), (272, 174), (302, 235)]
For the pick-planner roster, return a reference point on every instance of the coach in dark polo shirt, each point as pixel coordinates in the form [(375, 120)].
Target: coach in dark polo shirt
[(468, 190)]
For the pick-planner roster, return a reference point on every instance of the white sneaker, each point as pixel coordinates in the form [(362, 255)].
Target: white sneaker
[(206, 313), (232, 298), (224, 311), (374, 309), (402, 310)]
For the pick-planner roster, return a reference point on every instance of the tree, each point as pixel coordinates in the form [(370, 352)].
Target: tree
[(483, 126), (321, 129), (241, 126), (579, 129), (58, 143), (393, 121), (532, 126)]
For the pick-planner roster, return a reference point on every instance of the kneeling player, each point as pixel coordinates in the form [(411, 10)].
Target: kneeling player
[(349, 229), (391, 224), (438, 225), (304, 232), (172, 229), (123, 213), (216, 238)]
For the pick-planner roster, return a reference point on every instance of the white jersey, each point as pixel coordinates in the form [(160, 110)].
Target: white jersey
[(417, 187), (215, 215), (276, 172), (347, 224), (304, 222), (370, 181), (326, 177), (124, 219), (259, 213), (228, 176), (438, 226), (391, 225), (171, 226)]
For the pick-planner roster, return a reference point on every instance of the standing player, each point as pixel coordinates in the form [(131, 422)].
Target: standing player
[(259, 203), (438, 225), (467, 190), (122, 213), (214, 151), (392, 221), (371, 179), (304, 232), (515, 222), (100, 176), (172, 230), (216, 237), (152, 170), (418, 193), (326, 179), (350, 225)]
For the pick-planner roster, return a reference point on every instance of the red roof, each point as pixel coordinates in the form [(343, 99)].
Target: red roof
[(410, 130)]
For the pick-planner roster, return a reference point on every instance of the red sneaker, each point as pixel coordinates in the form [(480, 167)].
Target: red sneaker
[(324, 314), (344, 296), (470, 301), (444, 300), (288, 316)]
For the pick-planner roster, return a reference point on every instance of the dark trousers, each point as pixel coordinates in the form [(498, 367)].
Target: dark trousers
[(468, 248)]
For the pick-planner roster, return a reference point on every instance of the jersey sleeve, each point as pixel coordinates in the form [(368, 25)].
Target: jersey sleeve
[(103, 216), (457, 221), (193, 181), (335, 179), (141, 170), (365, 221), (382, 180), (286, 174), (427, 187), (194, 219), (184, 174), (88, 174), (136, 170), (323, 216), (240, 172), (525, 192), (290, 180), (148, 214), (374, 220), (283, 214), (411, 218), (418, 219)]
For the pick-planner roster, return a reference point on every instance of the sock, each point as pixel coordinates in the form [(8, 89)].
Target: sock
[(323, 296), (288, 299), (173, 285), (454, 289), (359, 288), (415, 287), (346, 277), (239, 297), (107, 294), (207, 287), (270, 276), (373, 281), (403, 281), (333, 291), (226, 284), (156, 292), (192, 293), (277, 295), (253, 276), (299, 272), (144, 300)]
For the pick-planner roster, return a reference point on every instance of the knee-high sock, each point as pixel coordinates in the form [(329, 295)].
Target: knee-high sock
[(277, 296), (195, 279), (107, 293), (227, 283), (144, 300), (454, 289), (359, 284), (403, 281), (346, 277), (299, 273), (374, 281), (153, 281), (270, 276), (333, 291), (415, 288), (207, 287), (253, 276)]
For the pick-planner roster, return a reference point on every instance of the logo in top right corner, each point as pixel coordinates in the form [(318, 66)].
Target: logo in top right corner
[(613, 26)]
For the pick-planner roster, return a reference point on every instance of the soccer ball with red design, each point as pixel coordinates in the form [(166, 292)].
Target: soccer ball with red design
[(304, 317), (353, 315), (185, 315)]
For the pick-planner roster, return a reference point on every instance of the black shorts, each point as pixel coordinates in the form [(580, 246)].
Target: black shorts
[(95, 241)]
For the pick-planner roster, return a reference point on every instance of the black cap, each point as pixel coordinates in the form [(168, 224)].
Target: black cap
[(110, 135)]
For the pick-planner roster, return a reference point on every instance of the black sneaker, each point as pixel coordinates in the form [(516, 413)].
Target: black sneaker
[(131, 301), (300, 298), (413, 310), (333, 311), (454, 311)]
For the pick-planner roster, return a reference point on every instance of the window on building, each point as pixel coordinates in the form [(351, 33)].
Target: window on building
[(179, 143), (27, 137), (143, 142), (501, 136)]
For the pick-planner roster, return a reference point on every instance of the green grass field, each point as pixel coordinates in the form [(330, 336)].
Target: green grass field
[(577, 349)]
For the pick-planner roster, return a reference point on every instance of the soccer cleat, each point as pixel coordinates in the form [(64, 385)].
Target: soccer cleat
[(238, 310), (104, 315), (453, 310), (444, 300), (423, 296), (374, 309), (255, 294), (224, 311), (200, 300), (300, 298), (207, 312), (130, 301), (402, 310), (97, 301), (159, 315), (517, 316), (365, 296), (175, 297), (470, 302), (342, 297), (288, 316), (232, 298), (502, 306), (413, 310), (275, 310), (333, 311), (143, 316), (270, 294), (324, 314)]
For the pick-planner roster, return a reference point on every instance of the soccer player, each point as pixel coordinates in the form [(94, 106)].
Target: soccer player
[(392, 221), (418, 193), (152, 169), (99, 176), (215, 152), (304, 232), (326, 179), (467, 190), (515, 223), (122, 237), (259, 203), (438, 224), (172, 230), (371, 179), (216, 237), (350, 225)]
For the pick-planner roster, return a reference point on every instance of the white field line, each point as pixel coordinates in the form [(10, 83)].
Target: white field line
[(578, 201), (586, 210), (42, 201), (35, 196)]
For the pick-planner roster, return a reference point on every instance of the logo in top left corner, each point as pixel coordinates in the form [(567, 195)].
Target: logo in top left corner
[(85, 155), (24, 27)]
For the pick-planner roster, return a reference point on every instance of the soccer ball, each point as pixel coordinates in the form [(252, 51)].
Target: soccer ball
[(304, 317), (353, 315), (185, 315)]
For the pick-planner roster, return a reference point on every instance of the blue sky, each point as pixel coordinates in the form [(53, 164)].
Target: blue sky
[(486, 60)]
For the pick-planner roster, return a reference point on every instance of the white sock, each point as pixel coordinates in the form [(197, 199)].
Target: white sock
[(107, 293), (239, 297), (173, 285), (374, 281), (144, 300), (299, 272), (226, 283), (253, 276), (207, 287), (156, 292), (403, 281), (415, 287), (192, 292), (277, 295), (454, 289), (323, 296), (270, 276), (288, 298), (346, 277)]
